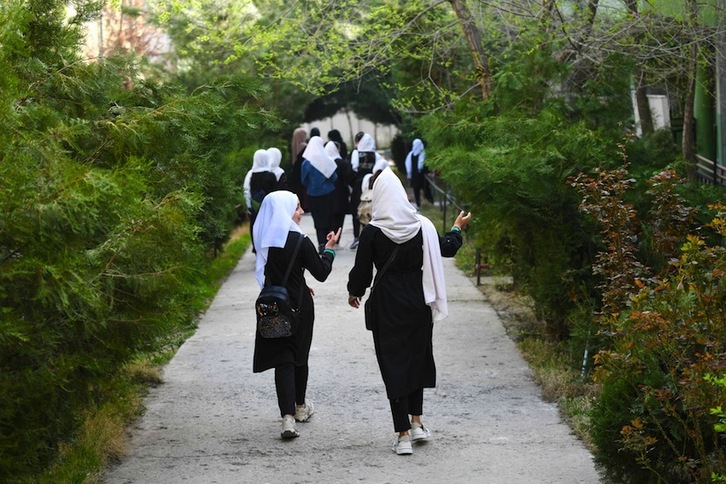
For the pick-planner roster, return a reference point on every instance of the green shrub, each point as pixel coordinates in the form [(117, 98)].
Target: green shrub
[(113, 192), (664, 332), (512, 170)]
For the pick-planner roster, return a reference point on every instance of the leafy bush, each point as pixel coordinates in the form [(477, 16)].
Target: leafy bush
[(113, 191), (665, 331), (512, 169)]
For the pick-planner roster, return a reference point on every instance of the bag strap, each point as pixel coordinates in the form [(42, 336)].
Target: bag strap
[(292, 259), (379, 274), (289, 269)]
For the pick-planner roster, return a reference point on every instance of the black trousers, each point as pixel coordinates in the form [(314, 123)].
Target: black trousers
[(401, 408), (338, 220), (291, 383), (321, 208)]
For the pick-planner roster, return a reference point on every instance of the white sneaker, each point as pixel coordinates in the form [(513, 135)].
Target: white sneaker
[(304, 412), (419, 433), (288, 428), (403, 445)]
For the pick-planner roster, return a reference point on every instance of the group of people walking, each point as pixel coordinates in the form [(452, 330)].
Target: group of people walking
[(401, 244)]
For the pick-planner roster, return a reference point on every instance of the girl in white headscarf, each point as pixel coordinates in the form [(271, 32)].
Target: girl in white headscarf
[(408, 298), (260, 164), (276, 233), (341, 194), (274, 156), (363, 160), (318, 175), (416, 173), (258, 182)]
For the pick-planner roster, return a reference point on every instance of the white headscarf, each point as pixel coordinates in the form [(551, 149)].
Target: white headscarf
[(397, 218), (317, 156), (260, 163), (332, 150), (367, 143), (274, 157), (272, 225), (416, 150)]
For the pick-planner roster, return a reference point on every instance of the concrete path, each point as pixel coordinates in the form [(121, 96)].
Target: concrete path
[(214, 421)]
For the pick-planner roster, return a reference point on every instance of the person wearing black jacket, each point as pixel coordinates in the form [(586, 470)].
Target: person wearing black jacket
[(276, 233), (409, 296), (341, 197)]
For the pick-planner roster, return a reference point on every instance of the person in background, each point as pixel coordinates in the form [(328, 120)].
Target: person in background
[(408, 298), (297, 146), (276, 233), (259, 181), (274, 156), (416, 172), (363, 160), (341, 197), (318, 175), (334, 135)]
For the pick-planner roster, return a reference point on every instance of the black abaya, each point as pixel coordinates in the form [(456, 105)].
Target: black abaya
[(402, 337)]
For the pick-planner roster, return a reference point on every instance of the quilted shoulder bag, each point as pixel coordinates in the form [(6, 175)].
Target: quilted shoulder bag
[(276, 318)]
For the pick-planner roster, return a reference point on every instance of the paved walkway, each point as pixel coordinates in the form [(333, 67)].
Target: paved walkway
[(214, 421)]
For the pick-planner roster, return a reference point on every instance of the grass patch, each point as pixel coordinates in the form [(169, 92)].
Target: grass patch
[(101, 440)]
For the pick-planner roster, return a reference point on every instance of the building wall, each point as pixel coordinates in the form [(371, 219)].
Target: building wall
[(350, 124)]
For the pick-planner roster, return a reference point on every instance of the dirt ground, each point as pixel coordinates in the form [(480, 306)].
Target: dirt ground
[(214, 421)]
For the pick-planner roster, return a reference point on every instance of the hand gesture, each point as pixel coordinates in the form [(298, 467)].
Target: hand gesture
[(332, 239), (462, 221)]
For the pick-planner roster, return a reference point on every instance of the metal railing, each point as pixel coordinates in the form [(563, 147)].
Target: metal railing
[(710, 171), (446, 198)]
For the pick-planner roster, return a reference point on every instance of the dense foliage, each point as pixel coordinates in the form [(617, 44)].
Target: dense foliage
[(664, 335), (116, 187), (113, 191), (512, 169)]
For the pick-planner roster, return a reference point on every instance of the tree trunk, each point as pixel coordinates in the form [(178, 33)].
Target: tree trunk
[(641, 100), (473, 38)]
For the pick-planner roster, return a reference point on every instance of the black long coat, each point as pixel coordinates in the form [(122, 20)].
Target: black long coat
[(341, 199), (402, 339), (270, 353)]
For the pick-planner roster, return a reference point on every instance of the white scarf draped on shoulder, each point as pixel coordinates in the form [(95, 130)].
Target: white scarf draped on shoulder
[(399, 221), (273, 224)]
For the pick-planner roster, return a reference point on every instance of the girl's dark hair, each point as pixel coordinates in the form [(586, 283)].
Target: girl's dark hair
[(358, 136), (334, 135)]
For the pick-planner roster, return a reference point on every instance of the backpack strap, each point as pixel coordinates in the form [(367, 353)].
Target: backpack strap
[(379, 274)]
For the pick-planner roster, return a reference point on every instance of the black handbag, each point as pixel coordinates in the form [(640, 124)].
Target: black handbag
[(276, 318), (368, 309)]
